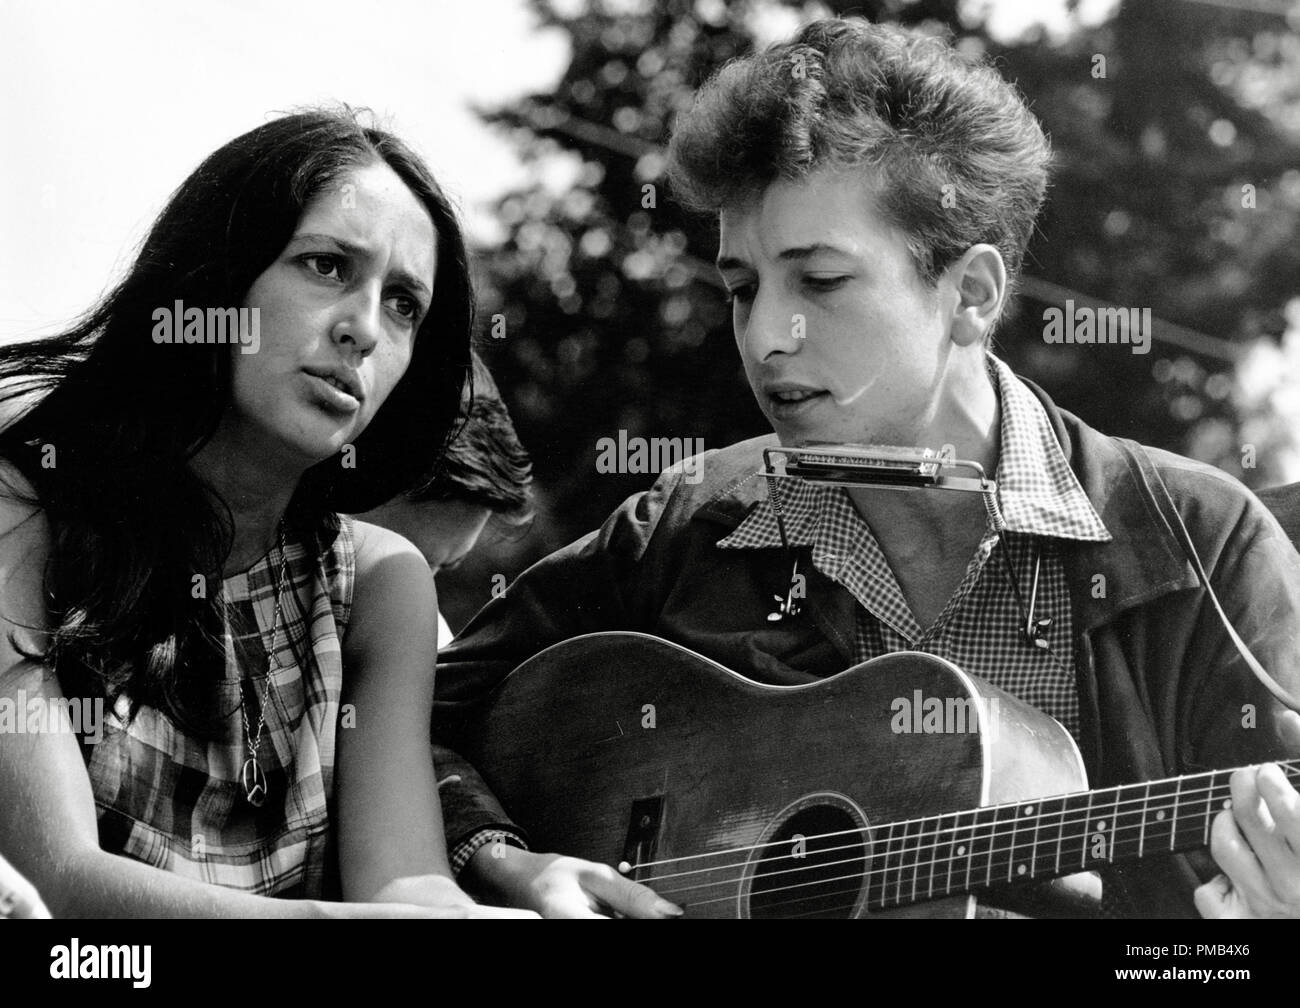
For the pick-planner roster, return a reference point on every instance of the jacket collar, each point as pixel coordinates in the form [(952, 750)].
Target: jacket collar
[(1142, 561), (731, 504)]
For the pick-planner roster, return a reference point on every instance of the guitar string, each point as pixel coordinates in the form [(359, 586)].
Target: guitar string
[(987, 857), (876, 889), (856, 890), (877, 878), (1180, 797), (877, 883), (804, 899), (934, 840), (991, 858)]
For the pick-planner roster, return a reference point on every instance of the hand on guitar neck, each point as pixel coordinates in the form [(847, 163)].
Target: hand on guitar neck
[(1257, 843)]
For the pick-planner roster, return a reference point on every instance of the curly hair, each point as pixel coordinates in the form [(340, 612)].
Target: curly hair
[(484, 464), (957, 156)]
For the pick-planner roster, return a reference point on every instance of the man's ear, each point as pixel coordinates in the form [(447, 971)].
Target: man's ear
[(979, 278)]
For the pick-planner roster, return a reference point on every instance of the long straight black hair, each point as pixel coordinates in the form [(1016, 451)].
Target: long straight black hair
[(116, 418)]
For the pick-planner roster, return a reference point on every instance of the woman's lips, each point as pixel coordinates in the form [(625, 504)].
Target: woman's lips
[(334, 396)]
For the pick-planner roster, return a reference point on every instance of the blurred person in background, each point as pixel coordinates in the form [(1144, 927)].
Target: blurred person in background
[(483, 478)]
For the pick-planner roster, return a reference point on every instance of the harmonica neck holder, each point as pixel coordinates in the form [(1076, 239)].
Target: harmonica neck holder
[(894, 468)]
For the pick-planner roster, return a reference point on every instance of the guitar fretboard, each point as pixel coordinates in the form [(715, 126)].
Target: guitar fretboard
[(964, 851)]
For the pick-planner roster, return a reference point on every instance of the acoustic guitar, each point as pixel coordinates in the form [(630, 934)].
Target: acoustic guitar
[(902, 786)]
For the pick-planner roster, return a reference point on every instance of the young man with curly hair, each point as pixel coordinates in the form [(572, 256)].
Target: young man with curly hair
[(875, 193)]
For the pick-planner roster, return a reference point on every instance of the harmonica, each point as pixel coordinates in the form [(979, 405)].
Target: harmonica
[(874, 465)]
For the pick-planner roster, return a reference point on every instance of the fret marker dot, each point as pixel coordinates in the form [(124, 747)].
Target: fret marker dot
[(1029, 810), (1227, 803), (961, 850), (1020, 870), (1101, 826), (1160, 815)]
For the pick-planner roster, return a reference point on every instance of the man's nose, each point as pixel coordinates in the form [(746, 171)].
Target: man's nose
[(772, 327)]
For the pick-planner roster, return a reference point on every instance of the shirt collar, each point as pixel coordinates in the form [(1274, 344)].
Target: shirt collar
[(1038, 493)]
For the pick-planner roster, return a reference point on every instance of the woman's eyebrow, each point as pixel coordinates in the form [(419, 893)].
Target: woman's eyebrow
[(361, 252)]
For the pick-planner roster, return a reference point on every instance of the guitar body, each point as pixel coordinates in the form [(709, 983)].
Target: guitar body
[(623, 748)]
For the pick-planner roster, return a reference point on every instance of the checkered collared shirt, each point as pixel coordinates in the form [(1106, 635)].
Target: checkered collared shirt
[(980, 628)]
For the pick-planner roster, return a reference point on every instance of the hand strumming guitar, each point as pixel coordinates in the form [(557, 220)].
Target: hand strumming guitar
[(558, 886)]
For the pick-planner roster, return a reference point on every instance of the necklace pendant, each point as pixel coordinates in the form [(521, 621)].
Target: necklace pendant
[(254, 781)]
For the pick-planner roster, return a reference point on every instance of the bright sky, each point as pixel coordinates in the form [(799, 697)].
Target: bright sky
[(108, 106)]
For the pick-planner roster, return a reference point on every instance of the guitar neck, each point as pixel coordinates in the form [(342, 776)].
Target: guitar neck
[(996, 845)]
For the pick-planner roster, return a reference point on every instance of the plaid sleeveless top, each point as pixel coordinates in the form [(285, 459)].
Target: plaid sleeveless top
[(177, 803)]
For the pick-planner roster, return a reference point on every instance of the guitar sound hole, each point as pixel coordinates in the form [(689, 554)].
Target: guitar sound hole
[(804, 872)]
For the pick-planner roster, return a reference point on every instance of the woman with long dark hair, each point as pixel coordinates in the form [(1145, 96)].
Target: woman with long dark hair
[(218, 687)]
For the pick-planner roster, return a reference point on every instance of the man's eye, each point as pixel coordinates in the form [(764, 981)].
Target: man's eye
[(823, 284), (323, 265)]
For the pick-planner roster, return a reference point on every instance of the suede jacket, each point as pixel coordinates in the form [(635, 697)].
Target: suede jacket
[(1163, 690)]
